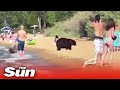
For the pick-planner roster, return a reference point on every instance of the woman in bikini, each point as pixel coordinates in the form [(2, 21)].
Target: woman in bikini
[(108, 40)]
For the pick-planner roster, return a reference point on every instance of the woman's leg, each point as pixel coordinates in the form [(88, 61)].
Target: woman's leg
[(115, 48), (119, 48), (111, 54), (105, 48)]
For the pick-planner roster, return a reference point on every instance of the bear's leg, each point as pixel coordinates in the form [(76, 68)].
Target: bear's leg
[(70, 48), (58, 49), (58, 46)]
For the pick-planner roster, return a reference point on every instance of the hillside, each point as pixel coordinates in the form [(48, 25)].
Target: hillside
[(79, 25), (72, 26)]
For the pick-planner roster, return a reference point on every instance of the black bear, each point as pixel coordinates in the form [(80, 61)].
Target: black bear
[(64, 43)]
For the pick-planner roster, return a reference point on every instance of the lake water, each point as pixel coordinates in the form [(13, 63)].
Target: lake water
[(31, 59), (5, 55)]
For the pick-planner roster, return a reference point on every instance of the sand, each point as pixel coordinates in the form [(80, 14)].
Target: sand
[(46, 48)]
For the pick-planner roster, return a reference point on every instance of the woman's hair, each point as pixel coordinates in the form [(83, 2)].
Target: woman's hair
[(110, 24), (97, 18)]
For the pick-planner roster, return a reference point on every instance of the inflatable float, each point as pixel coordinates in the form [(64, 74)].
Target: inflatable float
[(31, 42)]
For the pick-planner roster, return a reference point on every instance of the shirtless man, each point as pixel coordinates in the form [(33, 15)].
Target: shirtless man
[(21, 41), (98, 40)]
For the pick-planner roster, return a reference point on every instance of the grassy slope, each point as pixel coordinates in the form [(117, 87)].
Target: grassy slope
[(69, 28)]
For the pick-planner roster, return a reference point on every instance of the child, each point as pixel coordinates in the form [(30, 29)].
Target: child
[(13, 38)]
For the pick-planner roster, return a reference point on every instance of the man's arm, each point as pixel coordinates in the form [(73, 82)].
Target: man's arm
[(25, 35)]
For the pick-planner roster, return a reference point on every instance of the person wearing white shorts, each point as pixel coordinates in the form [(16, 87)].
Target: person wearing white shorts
[(98, 26), (98, 44)]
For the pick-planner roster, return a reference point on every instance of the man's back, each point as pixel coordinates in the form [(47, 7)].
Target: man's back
[(98, 27)]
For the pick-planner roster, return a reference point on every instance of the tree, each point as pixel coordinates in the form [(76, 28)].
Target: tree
[(51, 17), (32, 19)]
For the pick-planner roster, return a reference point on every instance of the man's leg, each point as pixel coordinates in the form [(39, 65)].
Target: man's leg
[(92, 61), (98, 50), (98, 59), (22, 47), (101, 50), (20, 53), (23, 54), (98, 45)]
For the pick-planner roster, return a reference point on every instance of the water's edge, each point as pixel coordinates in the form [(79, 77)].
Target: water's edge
[(5, 55)]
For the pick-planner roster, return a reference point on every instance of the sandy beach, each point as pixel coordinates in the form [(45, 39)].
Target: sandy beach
[(46, 48), (70, 61)]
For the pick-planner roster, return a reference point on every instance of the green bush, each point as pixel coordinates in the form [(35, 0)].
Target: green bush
[(104, 16), (71, 27), (29, 31), (61, 33), (90, 30)]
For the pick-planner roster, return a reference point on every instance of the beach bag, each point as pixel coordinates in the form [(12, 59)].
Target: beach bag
[(31, 42), (117, 41)]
